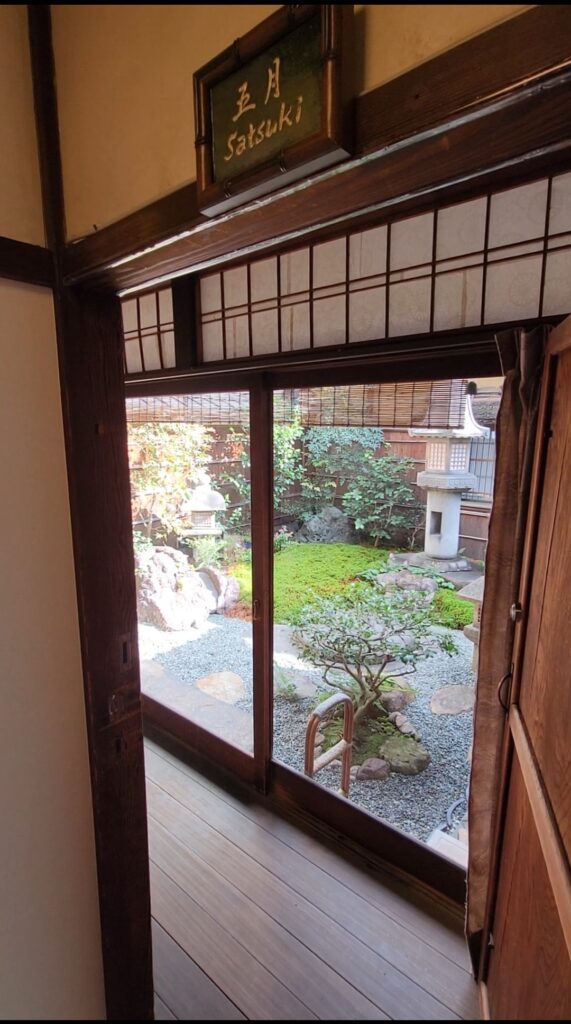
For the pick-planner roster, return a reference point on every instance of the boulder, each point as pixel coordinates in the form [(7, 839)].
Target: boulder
[(404, 726), (170, 595), (406, 756), (373, 768), (394, 701), (330, 526), (402, 579), (225, 589)]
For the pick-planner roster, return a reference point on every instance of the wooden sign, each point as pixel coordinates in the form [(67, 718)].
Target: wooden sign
[(273, 107)]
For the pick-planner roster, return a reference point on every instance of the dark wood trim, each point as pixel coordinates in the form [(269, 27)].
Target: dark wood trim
[(185, 317), (261, 450), (296, 792), (91, 366), (469, 353), (47, 127), (162, 721), (510, 142), (21, 261), (431, 107)]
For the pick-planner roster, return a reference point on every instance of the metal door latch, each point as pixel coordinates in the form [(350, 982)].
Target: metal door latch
[(516, 612)]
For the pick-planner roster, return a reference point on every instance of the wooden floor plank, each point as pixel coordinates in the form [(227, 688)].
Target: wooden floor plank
[(426, 966), (321, 989), (162, 1011), (422, 916), (249, 986), (362, 963), (185, 989)]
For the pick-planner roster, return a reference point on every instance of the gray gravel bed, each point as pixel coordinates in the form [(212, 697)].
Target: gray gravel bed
[(416, 804)]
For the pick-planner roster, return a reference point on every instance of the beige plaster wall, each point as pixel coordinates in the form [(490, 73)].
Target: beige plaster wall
[(20, 194), (50, 944), (124, 78)]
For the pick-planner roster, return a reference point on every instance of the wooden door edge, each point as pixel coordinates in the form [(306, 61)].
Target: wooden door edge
[(547, 832)]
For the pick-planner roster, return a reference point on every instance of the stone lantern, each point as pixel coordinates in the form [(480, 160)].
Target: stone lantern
[(446, 477), (201, 508)]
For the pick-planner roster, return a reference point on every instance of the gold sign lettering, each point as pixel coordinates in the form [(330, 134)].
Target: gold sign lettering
[(273, 80), (243, 102), (238, 142)]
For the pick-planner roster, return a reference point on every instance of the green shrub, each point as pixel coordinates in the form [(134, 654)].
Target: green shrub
[(353, 637), (448, 609), (381, 500)]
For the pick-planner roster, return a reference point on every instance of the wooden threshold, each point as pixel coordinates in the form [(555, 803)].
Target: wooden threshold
[(257, 918)]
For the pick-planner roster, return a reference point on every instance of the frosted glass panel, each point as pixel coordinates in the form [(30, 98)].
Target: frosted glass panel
[(235, 287), (133, 356), (461, 229), (264, 279), (264, 332), (367, 315), (518, 214), (210, 293), (458, 299), (295, 271), (512, 290), (411, 241), (368, 253), (151, 352), (129, 313), (340, 286), (295, 327), (237, 337), (329, 321), (212, 345), (560, 219), (169, 356), (557, 294), (409, 308), (165, 306), (330, 262)]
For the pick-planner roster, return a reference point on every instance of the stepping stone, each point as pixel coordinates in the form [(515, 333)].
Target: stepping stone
[(452, 700), (225, 686)]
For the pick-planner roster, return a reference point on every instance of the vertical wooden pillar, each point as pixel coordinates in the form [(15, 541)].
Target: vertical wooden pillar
[(91, 370)]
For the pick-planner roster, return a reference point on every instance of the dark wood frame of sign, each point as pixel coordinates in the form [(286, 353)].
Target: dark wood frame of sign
[(319, 138)]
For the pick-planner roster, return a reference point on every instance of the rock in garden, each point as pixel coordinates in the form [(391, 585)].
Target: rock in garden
[(226, 686), (452, 700), (330, 526), (394, 700), (170, 595), (319, 739), (224, 589), (404, 755), (373, 768), (353, 771), (397, 719), (402, 579)]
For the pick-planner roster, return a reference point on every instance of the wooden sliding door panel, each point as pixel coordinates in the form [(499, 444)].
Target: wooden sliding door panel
[(529, 973), (527, 980)]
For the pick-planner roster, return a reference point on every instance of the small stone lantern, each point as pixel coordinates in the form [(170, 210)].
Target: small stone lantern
[(446, 477), (201, 509)]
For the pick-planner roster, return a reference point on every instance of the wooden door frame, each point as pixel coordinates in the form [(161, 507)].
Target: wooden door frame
[(288, 788), (494, 111)]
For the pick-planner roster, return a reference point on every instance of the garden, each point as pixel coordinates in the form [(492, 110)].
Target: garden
[(351, 615)]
